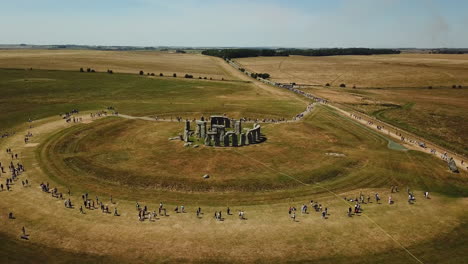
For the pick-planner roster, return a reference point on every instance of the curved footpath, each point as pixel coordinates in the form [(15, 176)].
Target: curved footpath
[(408, 139)]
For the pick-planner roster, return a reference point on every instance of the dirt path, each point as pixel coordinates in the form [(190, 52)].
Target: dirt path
[(231, 70), (410, 140)]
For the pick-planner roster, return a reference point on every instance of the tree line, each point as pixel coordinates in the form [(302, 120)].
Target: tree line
[(244, 53)]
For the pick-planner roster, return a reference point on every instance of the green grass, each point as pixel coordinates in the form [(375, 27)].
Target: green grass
[(40, 93), (133, 160), (148, 163), (438, 115)]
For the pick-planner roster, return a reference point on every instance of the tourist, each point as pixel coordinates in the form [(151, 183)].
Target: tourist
[(426, 194)]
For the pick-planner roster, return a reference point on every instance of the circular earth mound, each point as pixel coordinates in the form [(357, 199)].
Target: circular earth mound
[(119, 155)]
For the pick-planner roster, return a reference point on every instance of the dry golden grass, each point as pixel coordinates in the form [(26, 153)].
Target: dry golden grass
[(401, 70), (119, 61), (430, 229), (394, 88)]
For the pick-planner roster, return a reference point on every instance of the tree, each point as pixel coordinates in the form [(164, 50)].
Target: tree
[(141, 73), (161, 74), (152, 74), (88, 70), (327, 84), (188, 76), (343, 85), (81, 70), (174, 75)]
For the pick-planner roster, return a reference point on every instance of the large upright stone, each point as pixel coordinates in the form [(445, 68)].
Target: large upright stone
[(226, 140), (187, 125), (249, 138), (227, 122), (220, 120), (254, 135), (219, 130), (207, 140), (186, 135), (201, 129), (217, 141), (197, 130), (234, 140), (242, 139), (238, 127)]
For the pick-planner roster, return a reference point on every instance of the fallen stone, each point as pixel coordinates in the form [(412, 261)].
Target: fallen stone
[(452, 166), (335, 154), (206, 176), (188, 144)]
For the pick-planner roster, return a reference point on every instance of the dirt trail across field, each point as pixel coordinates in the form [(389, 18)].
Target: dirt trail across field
[(408, 139), (268, 88)]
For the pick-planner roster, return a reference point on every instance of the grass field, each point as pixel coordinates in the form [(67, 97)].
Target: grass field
[(114, 155), (383, 229), (119, 61), (400, 70), (134, 161), (42, 93), (393, 88)]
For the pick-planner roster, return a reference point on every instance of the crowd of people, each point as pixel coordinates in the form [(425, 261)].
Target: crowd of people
[(444, 156)]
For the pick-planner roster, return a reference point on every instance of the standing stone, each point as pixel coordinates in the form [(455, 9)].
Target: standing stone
[(207, 140), (186, 136), (226, 140), (197, 130), (242, 139), (217, 141), (203, 129), (187, 125), (227, 122), (254, 135), (249, 138), (238, 127), (234, 140)]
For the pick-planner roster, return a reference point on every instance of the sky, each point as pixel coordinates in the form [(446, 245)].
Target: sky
[(237, 23)]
